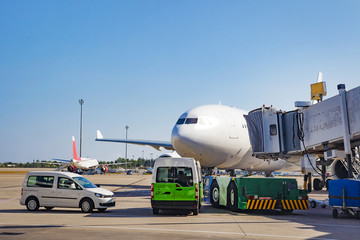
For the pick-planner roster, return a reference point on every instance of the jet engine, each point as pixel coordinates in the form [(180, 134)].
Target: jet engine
[(338, 170), (173, 154), (71, 168), (104, 169)]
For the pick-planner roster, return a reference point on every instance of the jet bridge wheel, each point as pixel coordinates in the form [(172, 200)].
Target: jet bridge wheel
[(214, 194), (335, 213)]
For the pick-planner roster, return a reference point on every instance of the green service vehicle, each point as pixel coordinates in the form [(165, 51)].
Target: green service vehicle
[(256, 193), (176, 184)]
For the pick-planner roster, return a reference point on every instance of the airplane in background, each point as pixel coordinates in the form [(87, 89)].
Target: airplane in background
[(80, 163), (215, 135)]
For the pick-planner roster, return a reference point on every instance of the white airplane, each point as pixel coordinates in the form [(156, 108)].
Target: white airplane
[(215, 135), (80, 163)]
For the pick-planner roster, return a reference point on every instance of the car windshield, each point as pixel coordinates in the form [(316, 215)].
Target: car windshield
[(84, 182)]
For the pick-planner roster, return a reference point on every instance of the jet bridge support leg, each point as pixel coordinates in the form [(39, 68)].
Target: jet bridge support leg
[(347, 145), (309, 182), (323, 175)]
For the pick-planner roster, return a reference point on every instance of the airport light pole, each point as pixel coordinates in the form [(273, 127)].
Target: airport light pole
[(127, 128), (81, 101)]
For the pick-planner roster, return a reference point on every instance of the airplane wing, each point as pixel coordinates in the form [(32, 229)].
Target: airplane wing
[(154, 144), (63, 160)]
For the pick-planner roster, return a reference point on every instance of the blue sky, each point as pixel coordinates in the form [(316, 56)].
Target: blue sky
[(144, 63)]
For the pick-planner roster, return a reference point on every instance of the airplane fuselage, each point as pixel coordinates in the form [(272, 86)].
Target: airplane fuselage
[(217, 136), (85, 163)]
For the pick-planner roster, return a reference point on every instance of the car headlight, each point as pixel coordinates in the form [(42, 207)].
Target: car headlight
[(99, 195)]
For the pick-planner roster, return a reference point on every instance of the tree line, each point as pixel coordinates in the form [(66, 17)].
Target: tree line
[(120, 162)]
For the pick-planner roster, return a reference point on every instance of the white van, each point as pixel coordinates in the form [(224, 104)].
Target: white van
[(63, 189)]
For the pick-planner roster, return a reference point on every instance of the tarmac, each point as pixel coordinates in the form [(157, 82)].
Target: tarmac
[(132, 217)]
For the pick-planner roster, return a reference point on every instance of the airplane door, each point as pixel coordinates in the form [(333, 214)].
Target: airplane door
[(232, 125)]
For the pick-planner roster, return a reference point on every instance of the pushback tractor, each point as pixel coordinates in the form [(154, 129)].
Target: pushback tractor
[(242, 193)]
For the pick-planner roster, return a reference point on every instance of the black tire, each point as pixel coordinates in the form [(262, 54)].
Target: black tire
[(232, 197), (313, 204), (214, 194), (335, 213), (317, 184), (323, 206), (32, 204), (87, 205), (101, 209), (196, 210), (327, 184), (286, 211), (48, 208), (155, 211)]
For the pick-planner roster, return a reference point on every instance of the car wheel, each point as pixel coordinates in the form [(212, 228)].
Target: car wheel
[(155, 211), (196, 211), (313, 204), (32, 204), (87, 205)]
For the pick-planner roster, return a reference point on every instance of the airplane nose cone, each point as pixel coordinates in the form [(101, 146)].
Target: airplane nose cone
[(183, 140), (189, 141)]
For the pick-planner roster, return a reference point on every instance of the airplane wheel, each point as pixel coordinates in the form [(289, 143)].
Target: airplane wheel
[(214, 194), (232, 196), (317, 184), (327, 184), (335, 213)]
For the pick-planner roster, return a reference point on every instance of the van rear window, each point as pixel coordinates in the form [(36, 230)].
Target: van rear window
[(180, 175), (40, 181)]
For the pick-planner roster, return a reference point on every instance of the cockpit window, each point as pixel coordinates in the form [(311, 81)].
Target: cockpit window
[(191, 121), (180, 121)]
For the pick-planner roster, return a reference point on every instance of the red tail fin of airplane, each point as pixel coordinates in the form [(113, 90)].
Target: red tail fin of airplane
[(75, 156)]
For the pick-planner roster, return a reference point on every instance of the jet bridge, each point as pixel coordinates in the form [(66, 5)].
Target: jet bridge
[(330, 130)]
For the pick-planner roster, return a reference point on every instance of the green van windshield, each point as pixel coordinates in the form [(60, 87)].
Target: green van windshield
[(180, 175)]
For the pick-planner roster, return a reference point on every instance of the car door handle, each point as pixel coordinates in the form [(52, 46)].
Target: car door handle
[(167, 193), (179, 189)]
